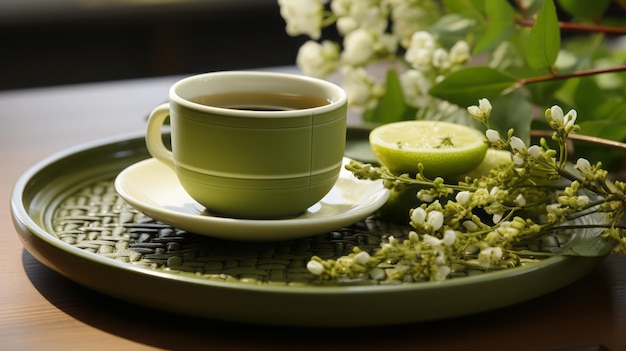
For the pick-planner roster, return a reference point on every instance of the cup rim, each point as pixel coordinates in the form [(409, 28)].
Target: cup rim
[(334, 104)]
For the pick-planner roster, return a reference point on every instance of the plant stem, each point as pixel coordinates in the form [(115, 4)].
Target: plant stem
[(579, 27), (577, 74)]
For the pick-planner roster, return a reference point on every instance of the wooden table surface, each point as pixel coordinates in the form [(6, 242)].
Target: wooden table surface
[(41, 310)]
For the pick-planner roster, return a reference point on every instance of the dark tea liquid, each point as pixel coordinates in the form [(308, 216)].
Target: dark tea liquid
[(261, 101)]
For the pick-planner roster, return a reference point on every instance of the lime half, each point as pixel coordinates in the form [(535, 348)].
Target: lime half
[(445, 149)]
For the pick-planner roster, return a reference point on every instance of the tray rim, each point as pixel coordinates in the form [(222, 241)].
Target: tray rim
[(29, 229)]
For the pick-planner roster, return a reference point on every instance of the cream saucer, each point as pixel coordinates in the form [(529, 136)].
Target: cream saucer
[(153, 188)]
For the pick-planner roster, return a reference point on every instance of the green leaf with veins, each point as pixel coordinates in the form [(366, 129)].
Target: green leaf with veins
[(544, 41), (590, 9), (500, 26), (466, 86)]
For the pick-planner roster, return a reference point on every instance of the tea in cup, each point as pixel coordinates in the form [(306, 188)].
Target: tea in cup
[(257, 145)]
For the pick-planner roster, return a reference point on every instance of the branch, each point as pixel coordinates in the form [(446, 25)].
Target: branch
[(577, 74), (579, 27)]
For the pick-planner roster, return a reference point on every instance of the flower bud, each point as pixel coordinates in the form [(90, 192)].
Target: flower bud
[(520, 200), (584, 166), (362, 258), (534, 151), (489, 256), (517, 144), (485, 106), (418, 215), (431, 240), (449, 237), (570, 119), (492, 135), (435, 220), (462, 197), (470, 226), (315, 267), (441, 273), (555, 115)]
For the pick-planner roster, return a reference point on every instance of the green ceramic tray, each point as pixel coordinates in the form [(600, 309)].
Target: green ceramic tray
[(69, 217)]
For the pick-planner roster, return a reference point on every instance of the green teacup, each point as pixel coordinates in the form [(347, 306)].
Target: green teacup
[(253, 144)]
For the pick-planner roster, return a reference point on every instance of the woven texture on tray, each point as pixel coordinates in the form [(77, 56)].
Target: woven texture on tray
[(96, 219)]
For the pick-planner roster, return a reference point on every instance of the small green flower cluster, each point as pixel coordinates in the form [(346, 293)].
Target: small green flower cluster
[(480, 222)]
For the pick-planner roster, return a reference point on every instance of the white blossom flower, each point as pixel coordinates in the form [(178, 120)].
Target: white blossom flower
[(570, 119), (420, 58), (303, 16), (520, 200), (517, 144), (378, 274), (415, 87), (435, 220), (362, 89), (420, 51), (423, 40), (346, 25), (485, 106), (474, 111), (582, 201), (431, 240), (494, 191), (362, 258), (418, 215), (506, 229), (462, 197), (440, 257), (482, 112), (315, 267), (392, 240), (489, 256), (492, 135), (534, 151), (318, 60), (470, 226), (386, 44), (341, 8), (552, 208), (440, 59), (409, 17), (460, 52), (449, 237), (556, 114), (371, 16), (358, 47), (424, 196), (584, 166), (497, 217), (518, 160), (441, 273)]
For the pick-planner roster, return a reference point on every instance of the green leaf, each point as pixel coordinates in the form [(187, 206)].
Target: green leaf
[(452, 28), (586, 247), (466, 8), (532, 6), (466, 86), (607, 121), (590, 9), (391, 107), (544, 41), (587, 96), (500, 25)]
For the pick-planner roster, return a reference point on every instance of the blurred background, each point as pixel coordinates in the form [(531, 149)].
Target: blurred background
[(54, 42)]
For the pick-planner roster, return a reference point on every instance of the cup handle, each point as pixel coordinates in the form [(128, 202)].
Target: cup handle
[(154, 139)]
